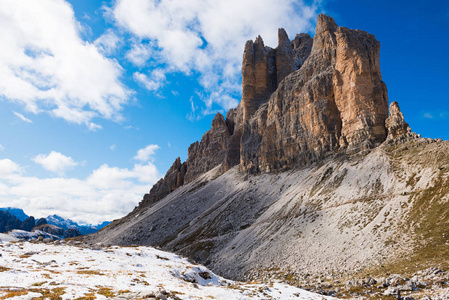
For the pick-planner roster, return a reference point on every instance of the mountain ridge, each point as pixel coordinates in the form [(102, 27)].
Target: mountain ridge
[(16, 218), (302, 100), (311, 174)]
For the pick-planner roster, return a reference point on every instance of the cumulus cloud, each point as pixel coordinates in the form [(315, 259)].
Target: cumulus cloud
[(55, 162), (208, 36), (145, 154), (8, 167), (107, 193), (47, 67), (22, 117)]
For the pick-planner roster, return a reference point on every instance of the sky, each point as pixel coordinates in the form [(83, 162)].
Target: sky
[(98, 98)]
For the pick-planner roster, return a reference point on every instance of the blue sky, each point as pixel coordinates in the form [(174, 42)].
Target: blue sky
[(98, 98)]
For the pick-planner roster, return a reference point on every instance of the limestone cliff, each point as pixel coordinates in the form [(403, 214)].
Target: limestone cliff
[(302, 101)]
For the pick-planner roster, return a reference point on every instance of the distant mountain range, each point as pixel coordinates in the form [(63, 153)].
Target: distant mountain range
[(57, 221), (17, 212), (67, 223)]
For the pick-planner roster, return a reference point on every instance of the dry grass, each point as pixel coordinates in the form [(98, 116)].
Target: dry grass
[(12, 294), (39, 283), (89, 272), (88, 296), (107, 292)]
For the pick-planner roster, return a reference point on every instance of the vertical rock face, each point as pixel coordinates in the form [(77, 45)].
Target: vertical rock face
[(336, 99), (301, 101), (360, 94), (284, 56), (301, 119), (255, 80)]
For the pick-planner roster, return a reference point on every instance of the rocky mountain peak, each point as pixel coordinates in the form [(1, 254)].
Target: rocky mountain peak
[(325, 24), (218, 121), (284, 56), (259, 41), (302, 101)]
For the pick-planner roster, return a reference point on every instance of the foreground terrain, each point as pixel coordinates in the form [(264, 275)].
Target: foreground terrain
[(60, 271), (379, 213)]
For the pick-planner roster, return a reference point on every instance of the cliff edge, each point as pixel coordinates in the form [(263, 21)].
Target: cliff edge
[(301, 101)]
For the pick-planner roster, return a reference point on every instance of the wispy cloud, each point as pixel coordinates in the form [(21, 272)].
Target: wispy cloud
[(22, 117), (191, 115), (145, 154), (108, 42), (436, 115), (139, 54), (153, 82), (1, 147)]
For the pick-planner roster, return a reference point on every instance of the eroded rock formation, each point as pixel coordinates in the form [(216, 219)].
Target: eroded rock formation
[(395, 123), (173, 179), (301, 101)]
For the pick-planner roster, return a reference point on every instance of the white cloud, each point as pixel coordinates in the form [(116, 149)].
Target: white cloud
[(108, 42), (106, 194), (22, 117), (8, 167), (55, 162), (152, 83), (139, 54), (208, 36), (1, 147), (145, 154), (191, 115), (47, 67), (113, 147)]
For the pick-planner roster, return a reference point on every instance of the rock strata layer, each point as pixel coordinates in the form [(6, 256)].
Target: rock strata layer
[(301, 101)]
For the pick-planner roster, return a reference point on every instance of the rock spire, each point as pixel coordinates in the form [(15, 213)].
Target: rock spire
[(301, 101)]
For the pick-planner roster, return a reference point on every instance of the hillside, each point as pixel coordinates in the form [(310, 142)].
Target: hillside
[(312, 178)]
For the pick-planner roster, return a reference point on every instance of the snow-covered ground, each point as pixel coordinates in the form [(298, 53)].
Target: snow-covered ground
[(29, 270)]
